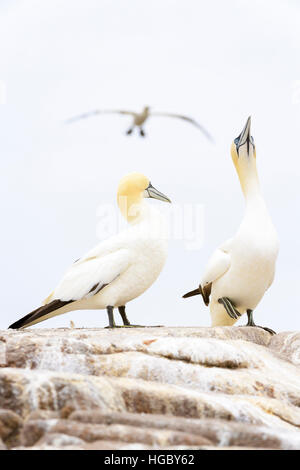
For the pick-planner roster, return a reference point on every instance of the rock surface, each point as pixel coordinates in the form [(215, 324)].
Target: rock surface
[(152, 388)]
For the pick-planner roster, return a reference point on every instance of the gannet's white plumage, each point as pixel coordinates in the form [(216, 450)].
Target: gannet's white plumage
[(119, 269), (140, 118), (242, 268)]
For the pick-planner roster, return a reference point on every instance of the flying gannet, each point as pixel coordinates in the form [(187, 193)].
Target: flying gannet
[(118, 269), (241, 270), (140, 118)]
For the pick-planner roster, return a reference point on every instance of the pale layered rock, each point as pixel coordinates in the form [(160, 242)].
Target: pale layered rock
[(154, 387), (58, 440), (113, 432), (25, 391), (219, 432), (10, 427), (287, 345), (46, 447)]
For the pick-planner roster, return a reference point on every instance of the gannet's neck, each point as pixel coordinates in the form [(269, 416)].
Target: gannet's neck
[(256, 216), (130, 206), (145, 212), (256, 212), (146, 221), (135, 209), (249, 182), (145, 112)]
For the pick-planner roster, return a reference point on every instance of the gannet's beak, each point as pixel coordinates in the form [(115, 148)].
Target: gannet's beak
[(244, 137), (155, 194)]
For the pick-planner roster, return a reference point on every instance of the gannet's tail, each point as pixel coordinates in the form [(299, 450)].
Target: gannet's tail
[(191, 293), (205, 292), (40, 314)]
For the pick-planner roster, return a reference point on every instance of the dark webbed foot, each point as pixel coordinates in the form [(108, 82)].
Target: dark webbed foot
[(129, 131), (145, 326), (269, 330), (133, 326), (142, 133), (229, 307), (124, 326), (251, 323)]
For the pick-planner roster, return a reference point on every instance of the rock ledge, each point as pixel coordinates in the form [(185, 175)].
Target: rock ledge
[(152, 388)]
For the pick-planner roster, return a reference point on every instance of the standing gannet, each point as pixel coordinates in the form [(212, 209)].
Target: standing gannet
[(140, 118), (118, 269), (242, 269)]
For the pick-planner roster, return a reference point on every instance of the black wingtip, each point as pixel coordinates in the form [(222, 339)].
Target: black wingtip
[(23, 321), (39, 313), (15, 326)]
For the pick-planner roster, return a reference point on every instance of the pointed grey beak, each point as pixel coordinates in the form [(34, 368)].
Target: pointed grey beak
[(245, 136), (153, 193)]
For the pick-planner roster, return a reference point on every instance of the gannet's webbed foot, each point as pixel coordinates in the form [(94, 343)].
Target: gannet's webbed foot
[(251, 323), (145, 326), (230, 308), (124, 326), (133, 326), (142, 132), (130, 130)]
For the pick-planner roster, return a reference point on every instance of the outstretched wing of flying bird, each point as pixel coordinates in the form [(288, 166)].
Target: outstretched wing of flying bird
[(187, 119), (96, 112)]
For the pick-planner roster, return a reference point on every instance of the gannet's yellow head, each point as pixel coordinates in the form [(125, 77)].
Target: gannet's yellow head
[(131, 191), (243, 154)]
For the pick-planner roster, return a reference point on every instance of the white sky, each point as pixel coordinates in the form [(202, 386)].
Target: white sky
[(216, 61)]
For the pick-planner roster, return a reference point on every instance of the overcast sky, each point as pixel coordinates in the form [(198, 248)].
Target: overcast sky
[(213, 60)]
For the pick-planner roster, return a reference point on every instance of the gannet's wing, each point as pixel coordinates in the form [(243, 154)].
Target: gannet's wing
[(216, 267), (87, 278), (96, 112), (82, 280), (185, 118)]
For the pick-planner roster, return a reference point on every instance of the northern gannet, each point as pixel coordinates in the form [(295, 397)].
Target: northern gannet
[(118, 269), (140, 118), (241, 270)]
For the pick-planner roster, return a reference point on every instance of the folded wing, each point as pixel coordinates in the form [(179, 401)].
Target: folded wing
[(86, 278), (216, 267), (83, 279)]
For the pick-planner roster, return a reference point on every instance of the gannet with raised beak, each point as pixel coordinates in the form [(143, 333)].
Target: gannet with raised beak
[(118, 269), (242, 269), (140, 118)]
